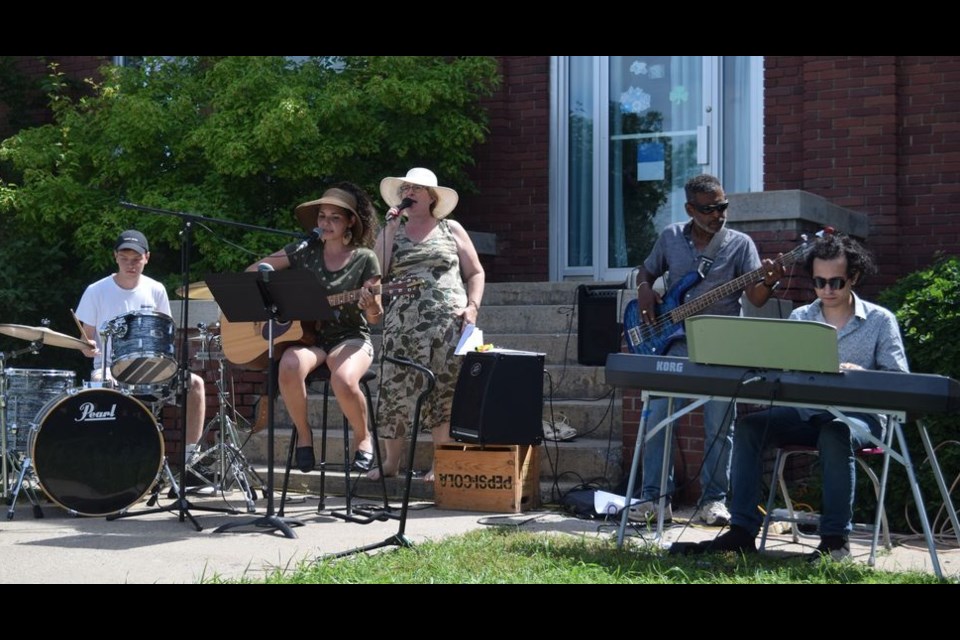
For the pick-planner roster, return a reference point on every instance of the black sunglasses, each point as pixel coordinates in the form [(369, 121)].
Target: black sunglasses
[(835, 283), (707, 209)]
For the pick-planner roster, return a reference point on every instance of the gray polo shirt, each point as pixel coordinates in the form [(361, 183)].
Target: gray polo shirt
[(674, 252)]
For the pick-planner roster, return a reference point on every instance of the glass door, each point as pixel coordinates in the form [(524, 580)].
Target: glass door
[(659, 126)]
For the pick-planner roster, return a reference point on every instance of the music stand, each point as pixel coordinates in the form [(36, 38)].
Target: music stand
[(269, 296)]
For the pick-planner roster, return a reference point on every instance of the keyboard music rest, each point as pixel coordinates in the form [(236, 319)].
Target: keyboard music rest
[(920, 393)]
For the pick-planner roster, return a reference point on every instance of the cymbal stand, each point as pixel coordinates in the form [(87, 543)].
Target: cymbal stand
[(231, 465)]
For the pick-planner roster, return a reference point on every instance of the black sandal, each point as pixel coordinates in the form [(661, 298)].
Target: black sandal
[(306, 461), (362, 460)]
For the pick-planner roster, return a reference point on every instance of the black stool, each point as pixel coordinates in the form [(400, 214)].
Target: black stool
[(362, 516)]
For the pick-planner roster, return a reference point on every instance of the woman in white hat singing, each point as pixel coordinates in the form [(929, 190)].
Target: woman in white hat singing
[(419, 241), (344, 262)]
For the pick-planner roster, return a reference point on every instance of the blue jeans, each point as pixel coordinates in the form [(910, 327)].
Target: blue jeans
[(718, 435), (785, 426)]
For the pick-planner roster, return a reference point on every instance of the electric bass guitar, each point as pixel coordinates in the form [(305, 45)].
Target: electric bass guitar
[(654, 339), (246, 344)]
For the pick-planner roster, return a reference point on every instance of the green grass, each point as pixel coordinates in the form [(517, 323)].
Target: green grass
[(505, 556)]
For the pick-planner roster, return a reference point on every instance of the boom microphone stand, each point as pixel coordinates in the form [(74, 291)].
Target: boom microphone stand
[(186, 247)]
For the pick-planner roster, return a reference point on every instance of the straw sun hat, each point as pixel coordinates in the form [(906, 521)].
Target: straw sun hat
[(447, 198)]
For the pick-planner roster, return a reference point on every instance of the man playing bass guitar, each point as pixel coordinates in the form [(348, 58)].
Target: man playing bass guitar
[(698, 256)]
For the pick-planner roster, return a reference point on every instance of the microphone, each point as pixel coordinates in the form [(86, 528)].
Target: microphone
[(313, 238), (406, 202), (265, 269)]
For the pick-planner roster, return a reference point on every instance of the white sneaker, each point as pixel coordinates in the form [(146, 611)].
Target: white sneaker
[(559, 430), (715, 514), (647, 512)]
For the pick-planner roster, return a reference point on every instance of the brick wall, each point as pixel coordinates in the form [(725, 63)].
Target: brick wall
[(512, 173), (879, 135), (35, 68)]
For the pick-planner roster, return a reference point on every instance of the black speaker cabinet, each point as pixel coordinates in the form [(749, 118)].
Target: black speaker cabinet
[(499, 399), (598, 327)]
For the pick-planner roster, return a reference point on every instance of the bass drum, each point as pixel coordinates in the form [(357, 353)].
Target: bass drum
[(96, 451)]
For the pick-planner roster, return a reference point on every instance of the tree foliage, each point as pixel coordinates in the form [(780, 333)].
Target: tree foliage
[(927, 306), (236, 138)]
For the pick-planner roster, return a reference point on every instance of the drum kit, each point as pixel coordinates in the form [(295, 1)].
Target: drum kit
[(98, 449)]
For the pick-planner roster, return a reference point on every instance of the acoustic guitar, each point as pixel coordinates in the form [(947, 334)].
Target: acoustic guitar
[(246, 344)]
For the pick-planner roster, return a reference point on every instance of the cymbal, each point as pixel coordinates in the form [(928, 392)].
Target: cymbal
[(44, 334), (198, 291)]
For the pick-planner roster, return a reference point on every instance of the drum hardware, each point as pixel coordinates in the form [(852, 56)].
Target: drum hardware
[(226, 457), (21, 468), (8, 460)]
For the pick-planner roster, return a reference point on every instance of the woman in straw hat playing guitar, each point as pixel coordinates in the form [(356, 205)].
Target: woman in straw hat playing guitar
[(344, 262)]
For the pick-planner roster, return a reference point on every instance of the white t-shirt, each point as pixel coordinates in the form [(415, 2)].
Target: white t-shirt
[(104, 300)]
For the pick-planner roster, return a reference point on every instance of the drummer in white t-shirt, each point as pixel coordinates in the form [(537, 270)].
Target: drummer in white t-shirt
[(129, 290)]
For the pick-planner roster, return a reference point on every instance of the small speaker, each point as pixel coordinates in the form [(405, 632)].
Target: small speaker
[(499, 399), (598, 324)]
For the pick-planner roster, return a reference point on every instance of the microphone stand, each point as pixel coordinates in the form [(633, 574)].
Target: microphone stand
[(182, 504)]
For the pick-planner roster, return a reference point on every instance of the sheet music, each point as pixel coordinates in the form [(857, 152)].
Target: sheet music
[(470, 339)]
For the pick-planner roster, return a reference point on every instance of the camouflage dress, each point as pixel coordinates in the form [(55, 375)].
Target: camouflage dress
[(424, 328)]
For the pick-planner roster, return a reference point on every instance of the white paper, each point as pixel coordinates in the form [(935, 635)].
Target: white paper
[(610, 503), (470, 339)]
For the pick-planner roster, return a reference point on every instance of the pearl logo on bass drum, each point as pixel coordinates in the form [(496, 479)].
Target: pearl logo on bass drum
[(88, 413)]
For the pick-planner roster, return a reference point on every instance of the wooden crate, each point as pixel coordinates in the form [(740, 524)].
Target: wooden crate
[(493, 477)]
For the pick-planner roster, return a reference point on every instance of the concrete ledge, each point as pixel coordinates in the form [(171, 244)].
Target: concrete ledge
[(749, 211)]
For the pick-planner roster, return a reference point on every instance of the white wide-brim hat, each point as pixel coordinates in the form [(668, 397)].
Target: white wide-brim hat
[(447, 198)]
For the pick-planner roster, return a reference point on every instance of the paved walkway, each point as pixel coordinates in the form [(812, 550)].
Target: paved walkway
[(159, 548)]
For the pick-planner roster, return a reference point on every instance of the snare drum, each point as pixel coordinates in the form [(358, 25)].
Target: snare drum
[(28, 390), (142, 348), (96, 451)]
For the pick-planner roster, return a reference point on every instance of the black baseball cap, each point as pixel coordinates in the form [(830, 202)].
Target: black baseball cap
[(132, 239)]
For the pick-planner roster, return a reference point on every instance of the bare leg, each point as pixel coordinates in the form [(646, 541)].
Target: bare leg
[(196, 408), (295, 364), (394, 448), (441, 435), (348, 363)]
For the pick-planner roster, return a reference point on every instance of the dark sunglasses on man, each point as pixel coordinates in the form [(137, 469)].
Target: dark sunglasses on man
[(835, 283), (707, 209)]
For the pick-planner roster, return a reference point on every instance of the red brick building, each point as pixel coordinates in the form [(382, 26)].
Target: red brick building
[(585, 155)]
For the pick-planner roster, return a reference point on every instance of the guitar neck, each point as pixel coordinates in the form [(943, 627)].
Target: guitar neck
[(345, 297), (698, 304)]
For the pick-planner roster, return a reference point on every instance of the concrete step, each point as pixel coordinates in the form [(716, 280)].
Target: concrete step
[(559, 348), (593, 417), (575, 382), (367, 495), (538, 318), (523, 294), (584, 458)]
